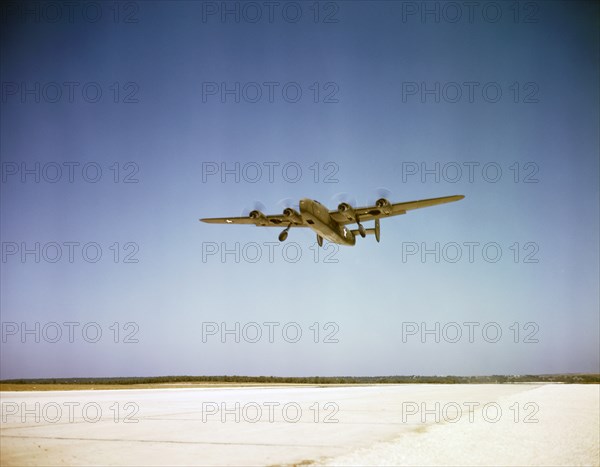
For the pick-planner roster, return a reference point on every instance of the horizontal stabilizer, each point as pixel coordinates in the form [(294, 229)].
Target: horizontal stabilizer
[(356, 232)]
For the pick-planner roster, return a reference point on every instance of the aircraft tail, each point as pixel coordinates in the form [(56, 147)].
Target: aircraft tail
[(371, 231)]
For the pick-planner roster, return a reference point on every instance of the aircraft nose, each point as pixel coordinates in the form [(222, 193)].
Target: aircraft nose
[(303, 205)]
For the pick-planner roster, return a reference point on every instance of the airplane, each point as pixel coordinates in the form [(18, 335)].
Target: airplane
[(331, 225)]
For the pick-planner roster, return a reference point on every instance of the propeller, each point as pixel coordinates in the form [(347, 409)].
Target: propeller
[(289, 203), (379, 193), (256, 206), (340, 198)]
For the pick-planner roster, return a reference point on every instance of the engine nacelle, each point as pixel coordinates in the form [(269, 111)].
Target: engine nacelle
[(259, 216), (292, 215), (347, 211), (384, 205)]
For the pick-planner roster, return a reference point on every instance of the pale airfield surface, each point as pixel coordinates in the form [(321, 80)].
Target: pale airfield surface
[(536, 424)]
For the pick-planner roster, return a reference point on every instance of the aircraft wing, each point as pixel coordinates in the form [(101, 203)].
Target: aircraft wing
[(264, 221), (377, 212)]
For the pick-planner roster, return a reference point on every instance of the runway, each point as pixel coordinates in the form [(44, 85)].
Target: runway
[(518, 424)]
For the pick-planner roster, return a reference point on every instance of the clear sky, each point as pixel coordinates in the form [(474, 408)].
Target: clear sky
[(357, 95)]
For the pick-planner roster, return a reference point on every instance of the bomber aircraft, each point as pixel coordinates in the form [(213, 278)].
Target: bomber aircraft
[(331, 225)]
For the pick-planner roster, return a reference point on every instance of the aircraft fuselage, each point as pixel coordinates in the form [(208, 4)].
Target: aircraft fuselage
[(318, 218)]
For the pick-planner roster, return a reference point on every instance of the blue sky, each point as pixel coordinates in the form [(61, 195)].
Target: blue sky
[(541, 211)]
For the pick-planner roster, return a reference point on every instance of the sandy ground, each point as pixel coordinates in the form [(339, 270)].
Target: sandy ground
[(520, 424)]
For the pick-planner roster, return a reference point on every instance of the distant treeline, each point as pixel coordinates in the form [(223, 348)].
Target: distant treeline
[(494, 379)]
